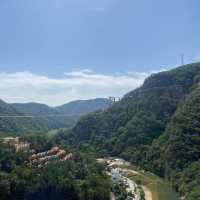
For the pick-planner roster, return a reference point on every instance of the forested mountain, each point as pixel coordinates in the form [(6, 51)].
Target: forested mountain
[(20, 124), (6, 108), (43, 117), (176, 153), (34, 108), (13, 125), (156, 126), (83, 106)]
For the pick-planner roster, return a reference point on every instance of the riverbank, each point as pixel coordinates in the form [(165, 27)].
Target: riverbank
[(159, 188), (116, 168), (154, 187)]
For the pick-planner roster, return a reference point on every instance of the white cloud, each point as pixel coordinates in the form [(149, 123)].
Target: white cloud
[(81, 84)]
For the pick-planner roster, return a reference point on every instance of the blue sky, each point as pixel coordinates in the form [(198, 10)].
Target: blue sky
[(112, 38)]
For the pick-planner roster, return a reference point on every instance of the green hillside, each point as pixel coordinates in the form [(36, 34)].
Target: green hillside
[(83, 106), (178, 149), (44, 117), (48, 119), (13, 125), (155, 126)]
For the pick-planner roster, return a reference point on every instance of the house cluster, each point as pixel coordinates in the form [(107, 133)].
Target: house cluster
[(19, 143), (44, 158)]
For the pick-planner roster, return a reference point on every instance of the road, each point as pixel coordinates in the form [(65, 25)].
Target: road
[(120, 166), (147, 192), (112, 196)]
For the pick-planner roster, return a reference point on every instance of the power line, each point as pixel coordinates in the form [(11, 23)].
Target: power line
[(37, 116)]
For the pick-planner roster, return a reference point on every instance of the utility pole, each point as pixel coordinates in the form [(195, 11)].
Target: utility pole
[(182, 59)]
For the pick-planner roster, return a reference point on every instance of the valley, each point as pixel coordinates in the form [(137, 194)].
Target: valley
[(99, 100), (155, 127), (22, 118), (149, 142)]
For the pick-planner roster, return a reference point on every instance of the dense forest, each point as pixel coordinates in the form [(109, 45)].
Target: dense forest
[(156, 127), (78, 179)]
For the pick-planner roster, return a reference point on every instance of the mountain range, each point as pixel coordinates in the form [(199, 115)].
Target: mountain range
[(156, 127), (40, 117)]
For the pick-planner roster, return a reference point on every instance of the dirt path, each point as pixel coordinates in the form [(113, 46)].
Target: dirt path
[(147, 192), (112, 196), (130, 171)]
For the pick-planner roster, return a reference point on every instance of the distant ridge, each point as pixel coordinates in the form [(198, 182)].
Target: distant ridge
[(41, 117)]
